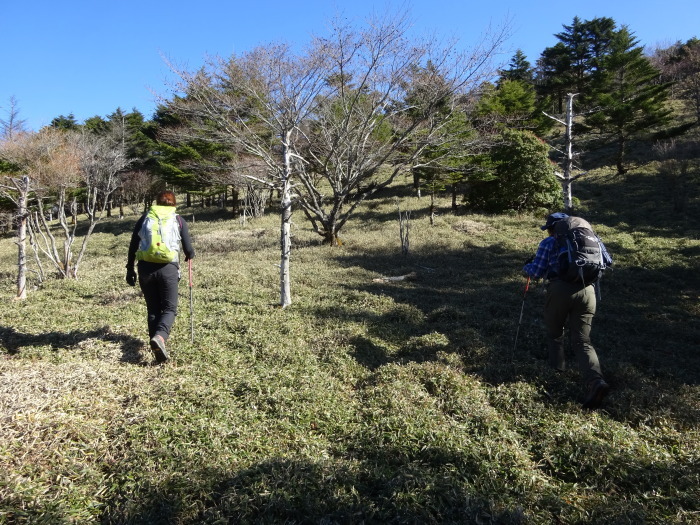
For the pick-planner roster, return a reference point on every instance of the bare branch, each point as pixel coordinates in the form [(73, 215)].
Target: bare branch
[(12, 126), (563, 123)]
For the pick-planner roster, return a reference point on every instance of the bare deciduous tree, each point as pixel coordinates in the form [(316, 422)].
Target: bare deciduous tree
[(334, 124), (16, 189), (102, 159), (91, 163), (56, 185), (53, 167), (32, 158), (680, 64), (258, 103), (12, 125), (395, 98), (137, 188)]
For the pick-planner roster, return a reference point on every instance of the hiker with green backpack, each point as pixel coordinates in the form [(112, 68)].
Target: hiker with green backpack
[(572, 259), (155, 244)]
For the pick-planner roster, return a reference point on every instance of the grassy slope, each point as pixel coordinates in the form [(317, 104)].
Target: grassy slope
[(364, 401)]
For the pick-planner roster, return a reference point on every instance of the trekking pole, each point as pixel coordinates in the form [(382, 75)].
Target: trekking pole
[(522, 309), (191, 304)]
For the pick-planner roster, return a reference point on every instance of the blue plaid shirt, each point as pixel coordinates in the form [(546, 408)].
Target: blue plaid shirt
[(545, 264), (546, 261)]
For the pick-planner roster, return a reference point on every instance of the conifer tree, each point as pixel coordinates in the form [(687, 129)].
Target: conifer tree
[(512, 103), (569, 66), (517, 175), (630, 99), (518, 69), (65, 123)]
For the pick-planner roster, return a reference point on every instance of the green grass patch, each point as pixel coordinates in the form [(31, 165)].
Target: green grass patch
[(367, 400)]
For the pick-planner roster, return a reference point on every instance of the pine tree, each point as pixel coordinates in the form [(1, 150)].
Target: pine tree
[(65, 123), (512, 103), (569, 66), (626, 90), (518, 69)]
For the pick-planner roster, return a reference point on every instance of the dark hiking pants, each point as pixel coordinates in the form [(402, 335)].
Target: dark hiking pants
[(578, 304), (159, 284)]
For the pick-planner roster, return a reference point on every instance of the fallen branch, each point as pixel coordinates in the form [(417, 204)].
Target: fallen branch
[(408, 277)]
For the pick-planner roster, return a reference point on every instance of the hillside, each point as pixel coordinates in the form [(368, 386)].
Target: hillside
[(365, 401)]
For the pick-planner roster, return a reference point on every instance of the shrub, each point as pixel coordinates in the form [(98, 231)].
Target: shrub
[(520, 176)]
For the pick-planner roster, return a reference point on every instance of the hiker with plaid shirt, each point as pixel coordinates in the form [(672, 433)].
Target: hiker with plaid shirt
[(575, 302)]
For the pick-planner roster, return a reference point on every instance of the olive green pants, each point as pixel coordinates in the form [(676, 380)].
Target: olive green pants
[(568, 300)]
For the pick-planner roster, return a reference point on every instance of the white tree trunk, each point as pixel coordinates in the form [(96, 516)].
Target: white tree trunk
[(567, 179), (568, 168), (23, 188), (286, 248), (286, 228)]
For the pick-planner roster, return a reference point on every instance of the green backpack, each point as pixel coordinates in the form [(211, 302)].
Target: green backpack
[(160, 236)]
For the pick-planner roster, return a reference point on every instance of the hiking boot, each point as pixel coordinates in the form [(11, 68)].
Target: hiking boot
[(597, 390), (158, 347)]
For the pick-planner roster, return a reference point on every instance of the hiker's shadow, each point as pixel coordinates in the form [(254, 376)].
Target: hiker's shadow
[(13, 341)]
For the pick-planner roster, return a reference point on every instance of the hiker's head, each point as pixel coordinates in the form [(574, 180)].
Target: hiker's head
[(166, 198), (552, 219)]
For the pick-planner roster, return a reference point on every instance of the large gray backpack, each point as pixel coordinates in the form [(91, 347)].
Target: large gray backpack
[(582, 256)]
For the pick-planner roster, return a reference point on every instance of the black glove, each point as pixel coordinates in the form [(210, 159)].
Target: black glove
[(131, 277)]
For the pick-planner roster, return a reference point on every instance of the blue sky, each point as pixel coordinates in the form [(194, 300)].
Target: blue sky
[(90, 57)]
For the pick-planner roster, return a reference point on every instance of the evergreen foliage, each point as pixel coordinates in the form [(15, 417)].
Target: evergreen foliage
[(630, 99), (445, 162), (568, 66), (512, 104), (519, 69), (65, 123), (192, 163), (518, 176)]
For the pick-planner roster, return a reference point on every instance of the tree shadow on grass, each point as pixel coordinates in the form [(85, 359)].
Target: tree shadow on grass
[(13, 341), (648, 203), (645, 331), (386, 484), (383, 487), (472, 297)]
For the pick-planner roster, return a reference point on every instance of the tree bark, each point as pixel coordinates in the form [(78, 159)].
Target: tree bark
[(620, 163), (23, 188), (567, 178), (568, 168), (286, 226)]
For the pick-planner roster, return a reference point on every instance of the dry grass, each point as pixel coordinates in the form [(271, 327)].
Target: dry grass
[(375, 401)]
